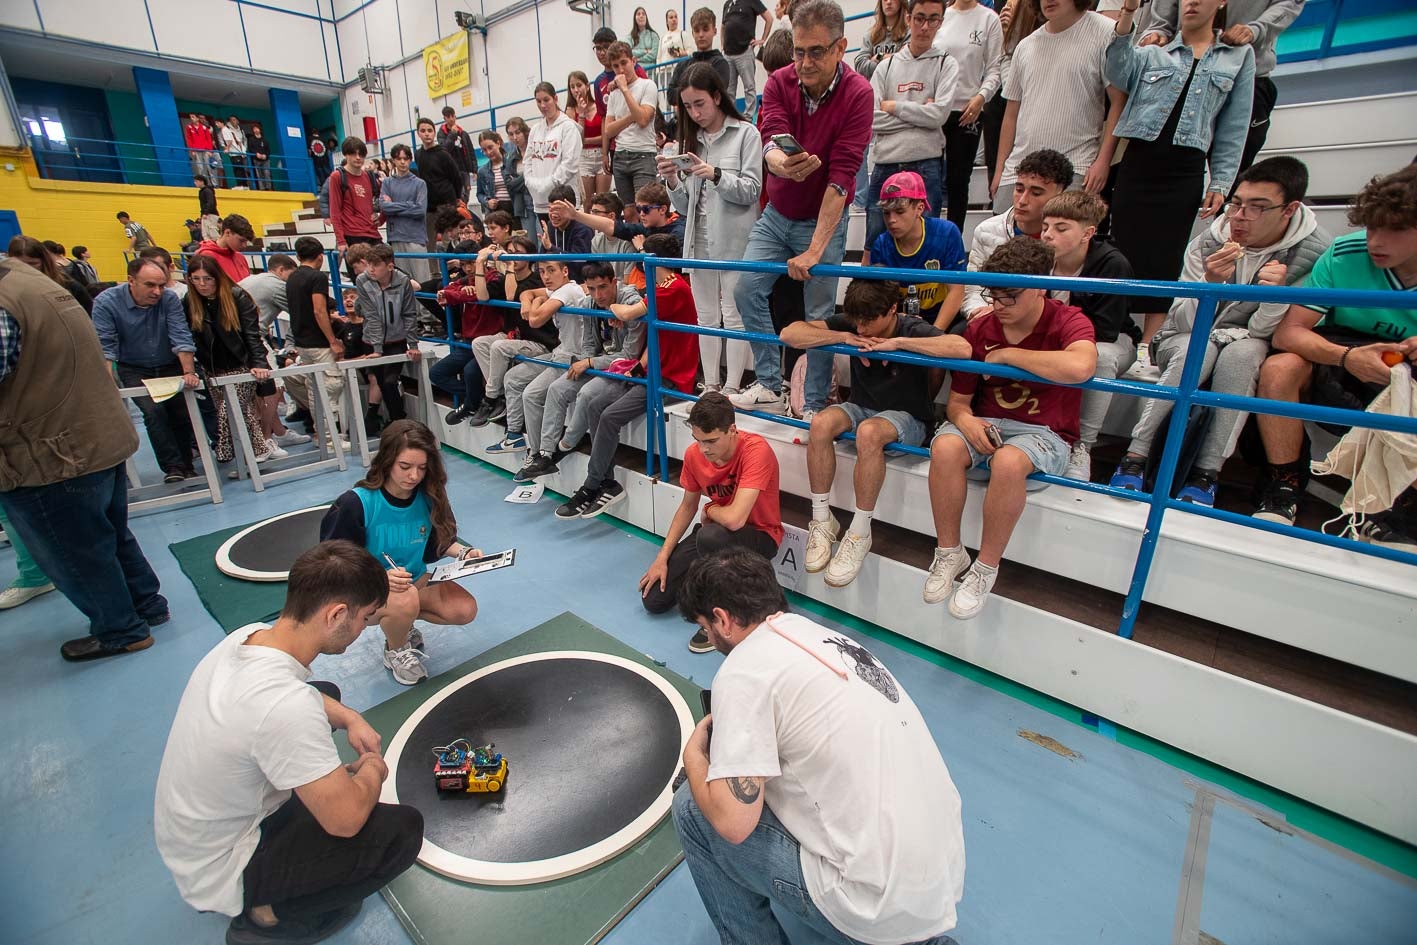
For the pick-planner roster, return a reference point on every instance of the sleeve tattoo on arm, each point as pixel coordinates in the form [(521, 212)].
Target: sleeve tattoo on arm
[(745, 789)]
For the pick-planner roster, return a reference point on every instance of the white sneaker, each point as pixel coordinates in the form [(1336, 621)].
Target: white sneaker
[(943, 571), (847, 561), (973, 591), (289, 438), (1143, 369), (820, 536), (406, 663), (1080, 463), (275, 452), (415, 639), (758, 397), (15, 596), (807, 415)]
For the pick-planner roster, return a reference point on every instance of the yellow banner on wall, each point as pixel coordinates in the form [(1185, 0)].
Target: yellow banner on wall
[(445, 64)]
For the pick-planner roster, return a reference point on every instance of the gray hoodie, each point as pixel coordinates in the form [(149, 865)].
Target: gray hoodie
[(390, 315), (1267, 18), (915, 132), (403, 199), (1302, 244)]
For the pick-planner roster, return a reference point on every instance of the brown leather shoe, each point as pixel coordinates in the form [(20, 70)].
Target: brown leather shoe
[(91, 648)]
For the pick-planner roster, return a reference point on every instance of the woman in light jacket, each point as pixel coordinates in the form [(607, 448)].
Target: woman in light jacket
[(553, 150), (718, 194), (1188, 106)]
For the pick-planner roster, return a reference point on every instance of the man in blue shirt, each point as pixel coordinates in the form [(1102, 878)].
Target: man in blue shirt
[(913, 240), (144, 334)]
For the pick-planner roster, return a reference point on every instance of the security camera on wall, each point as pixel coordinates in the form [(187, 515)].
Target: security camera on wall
[(588, 7)]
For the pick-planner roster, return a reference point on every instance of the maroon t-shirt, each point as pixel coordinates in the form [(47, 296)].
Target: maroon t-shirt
[(1007, 399)]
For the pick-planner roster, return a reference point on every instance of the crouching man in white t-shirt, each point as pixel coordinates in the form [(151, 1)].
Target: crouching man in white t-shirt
[(818, 788), (250, 731)]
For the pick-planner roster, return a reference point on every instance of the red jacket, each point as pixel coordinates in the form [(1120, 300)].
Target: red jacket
[(198, 137), (476, 319), (233, 264)]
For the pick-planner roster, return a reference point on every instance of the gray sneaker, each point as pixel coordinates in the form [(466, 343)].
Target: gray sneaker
[(406, 663)]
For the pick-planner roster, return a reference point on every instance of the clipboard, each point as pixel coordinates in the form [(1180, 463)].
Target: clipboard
[(457, 570)]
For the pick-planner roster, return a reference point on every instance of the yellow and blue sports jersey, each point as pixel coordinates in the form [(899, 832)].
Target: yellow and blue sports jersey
[(939, 247), (1347, 265), (403, 530)]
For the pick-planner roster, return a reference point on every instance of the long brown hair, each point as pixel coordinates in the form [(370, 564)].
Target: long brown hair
[(411, 435), (704, 78), (1027, 18), (897, 31), (34, 249), (571, 104), (226, 301)]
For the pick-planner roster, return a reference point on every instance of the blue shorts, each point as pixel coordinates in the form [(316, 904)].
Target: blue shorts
[(909, 429), (1045, 449)]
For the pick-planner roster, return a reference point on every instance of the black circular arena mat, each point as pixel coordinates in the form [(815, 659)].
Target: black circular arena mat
[(266, 550), (592, 744)]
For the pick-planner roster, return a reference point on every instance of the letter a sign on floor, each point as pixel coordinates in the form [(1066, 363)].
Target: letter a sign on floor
[(445, 64)]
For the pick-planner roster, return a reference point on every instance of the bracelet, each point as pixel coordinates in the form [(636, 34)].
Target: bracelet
[(1343, 358)]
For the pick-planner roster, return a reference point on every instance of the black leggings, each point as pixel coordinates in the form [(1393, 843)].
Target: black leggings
[(703, 540), (387, 376), (961, 145)]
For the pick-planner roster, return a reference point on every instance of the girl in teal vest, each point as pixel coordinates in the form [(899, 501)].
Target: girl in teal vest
[(400, 512)]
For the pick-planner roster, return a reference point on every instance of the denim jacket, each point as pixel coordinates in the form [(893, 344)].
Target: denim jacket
[(1217, 106)]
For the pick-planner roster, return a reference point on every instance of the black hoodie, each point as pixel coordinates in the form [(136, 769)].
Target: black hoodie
[(1110, 314)]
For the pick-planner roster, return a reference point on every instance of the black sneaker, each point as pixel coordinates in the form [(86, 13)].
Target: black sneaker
[(578, 504), (458, 415), (498, 413), (608, 496), (483, 413), (1385, 529), (540, 464), (1280, 502), (699, 643), (173, 475)]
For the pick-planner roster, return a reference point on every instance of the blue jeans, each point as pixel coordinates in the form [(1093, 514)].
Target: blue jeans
[(929, 171), (458, 375), (777, 239), (743, 886), (77, 531)]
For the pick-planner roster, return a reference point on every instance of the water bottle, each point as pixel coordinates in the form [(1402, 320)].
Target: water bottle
[(912, 300)]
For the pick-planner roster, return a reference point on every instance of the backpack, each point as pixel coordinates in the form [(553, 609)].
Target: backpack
[(324, 196), (797, 383)]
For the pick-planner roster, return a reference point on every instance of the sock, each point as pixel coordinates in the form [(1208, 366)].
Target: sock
[(821, 506), (861, 522), (951, 551), (985, 569)]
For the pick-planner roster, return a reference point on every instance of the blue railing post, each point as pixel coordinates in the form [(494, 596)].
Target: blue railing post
[(656, 440), (1166, 469), (332, 257)]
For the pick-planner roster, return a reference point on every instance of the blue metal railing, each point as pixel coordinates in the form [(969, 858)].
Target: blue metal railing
[(1182, 397), (105, 161)]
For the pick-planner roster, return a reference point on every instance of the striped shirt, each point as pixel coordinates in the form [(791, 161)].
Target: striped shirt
[(9, 344), (1057, 79)]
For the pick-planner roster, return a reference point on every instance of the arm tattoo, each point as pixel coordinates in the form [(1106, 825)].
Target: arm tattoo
[(745, 789)]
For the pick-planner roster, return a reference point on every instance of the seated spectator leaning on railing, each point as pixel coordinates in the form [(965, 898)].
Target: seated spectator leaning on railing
[(229, 247), (457, 373), (1332, 355), (1009, 428), (496, 353), (1266, 236), (1070, 227), (145, 335), (826, 108), (738, 471), (1041, 176), (890, 403), (913, 240)]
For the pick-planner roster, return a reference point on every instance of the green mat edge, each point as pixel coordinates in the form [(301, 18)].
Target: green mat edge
[(517, 646), (206, 547)]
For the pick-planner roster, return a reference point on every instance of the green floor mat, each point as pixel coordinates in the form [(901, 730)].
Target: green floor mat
[(577, 910), (232, 602)]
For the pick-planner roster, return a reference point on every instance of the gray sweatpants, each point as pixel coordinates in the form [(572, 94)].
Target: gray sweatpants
[(495, 353), (745, 69), (595, 388), (546, 401), (515, 383), (1236, 368), (1114, 358)]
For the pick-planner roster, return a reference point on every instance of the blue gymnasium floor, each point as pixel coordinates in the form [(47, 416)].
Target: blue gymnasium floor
[(1091, 848)]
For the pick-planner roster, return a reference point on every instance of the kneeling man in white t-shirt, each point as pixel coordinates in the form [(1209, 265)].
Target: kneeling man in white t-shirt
[(250, 730), (817, 788)]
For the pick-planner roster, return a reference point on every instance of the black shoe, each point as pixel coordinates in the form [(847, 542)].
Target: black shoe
[(242, 931), (160, 619), (498, 413), (85, 649), (1280, 502), (373, 423), (458, 415), (524, 473), (189, 472), (483, 413), (173, 475), (577, 505), (608, 496), (1385, 529), (540, 464), (699, 643)]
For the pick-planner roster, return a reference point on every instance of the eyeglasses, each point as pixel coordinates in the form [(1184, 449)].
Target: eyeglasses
[(1250, 211), (927, 20), (815, 53), (647, 207), (1000, 296)]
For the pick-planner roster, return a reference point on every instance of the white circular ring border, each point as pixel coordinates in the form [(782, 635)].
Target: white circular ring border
[(486, 872), (228, 567)]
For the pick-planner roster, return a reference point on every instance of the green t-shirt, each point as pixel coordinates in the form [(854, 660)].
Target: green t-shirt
[(1347, 265)]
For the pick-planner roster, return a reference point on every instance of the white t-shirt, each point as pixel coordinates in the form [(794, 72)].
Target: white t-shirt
[(577, 333), (974, 40), (632, 137), (853, 774), (1057, 79), (248, 731)]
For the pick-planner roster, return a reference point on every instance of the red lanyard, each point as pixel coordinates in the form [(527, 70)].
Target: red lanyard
[(841, 673)]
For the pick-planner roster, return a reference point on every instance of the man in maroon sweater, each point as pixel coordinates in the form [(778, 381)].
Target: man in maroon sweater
[(815, 123), (352, 196)]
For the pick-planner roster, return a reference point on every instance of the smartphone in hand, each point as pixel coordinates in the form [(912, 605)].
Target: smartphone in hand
[(788, 144)]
